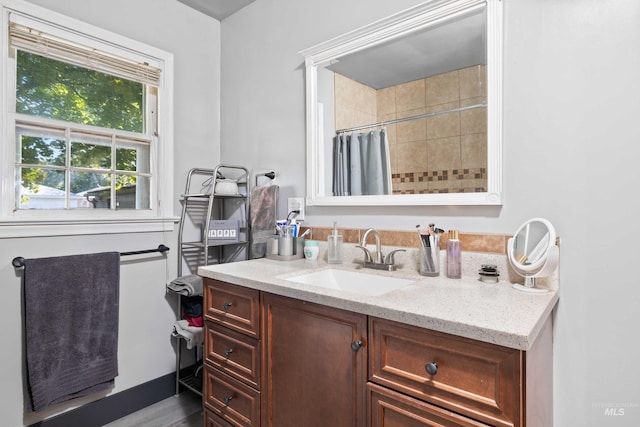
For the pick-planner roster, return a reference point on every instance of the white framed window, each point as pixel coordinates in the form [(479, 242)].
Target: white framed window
[(87, 141)]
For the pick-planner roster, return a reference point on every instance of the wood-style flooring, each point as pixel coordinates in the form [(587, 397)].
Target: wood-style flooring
[(183, 410)]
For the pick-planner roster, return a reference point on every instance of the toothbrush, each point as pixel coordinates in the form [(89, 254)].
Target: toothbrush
[(307, 231)]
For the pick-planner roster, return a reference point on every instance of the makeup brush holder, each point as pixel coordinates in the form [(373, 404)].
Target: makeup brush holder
[(430, 258)]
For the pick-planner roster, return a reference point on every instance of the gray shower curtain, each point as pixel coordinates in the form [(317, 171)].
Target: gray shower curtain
[(361, 164)]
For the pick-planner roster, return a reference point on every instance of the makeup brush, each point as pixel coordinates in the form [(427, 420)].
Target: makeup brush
[(423, 242)]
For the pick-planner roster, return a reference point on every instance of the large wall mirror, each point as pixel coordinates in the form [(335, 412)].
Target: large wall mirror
[(408, 110)]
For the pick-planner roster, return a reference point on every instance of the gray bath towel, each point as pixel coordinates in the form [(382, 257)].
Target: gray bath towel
[(264, 210), (189, 285), (71, 326)]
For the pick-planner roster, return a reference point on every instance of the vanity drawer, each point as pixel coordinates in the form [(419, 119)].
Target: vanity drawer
[(212, 420), (233, 353), (235, 307), (480, 380), (389, 408), (235, 402)]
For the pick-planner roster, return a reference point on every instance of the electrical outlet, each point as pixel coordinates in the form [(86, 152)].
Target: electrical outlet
[(296, 203)]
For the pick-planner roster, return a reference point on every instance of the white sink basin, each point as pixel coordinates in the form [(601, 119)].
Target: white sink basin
[(351, 281)]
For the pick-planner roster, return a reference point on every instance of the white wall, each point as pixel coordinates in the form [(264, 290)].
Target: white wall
[(572, 98), (145, 350)]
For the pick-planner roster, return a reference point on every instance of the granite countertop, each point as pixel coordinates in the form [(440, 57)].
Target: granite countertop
[(489, 312)]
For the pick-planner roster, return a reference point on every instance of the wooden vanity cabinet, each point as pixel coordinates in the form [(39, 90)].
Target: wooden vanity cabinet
[(281, 362), (315, 365)]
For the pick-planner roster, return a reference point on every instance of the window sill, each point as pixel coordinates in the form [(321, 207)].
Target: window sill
[(44, 228)]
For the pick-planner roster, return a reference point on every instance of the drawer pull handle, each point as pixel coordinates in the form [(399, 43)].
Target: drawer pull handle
[(432, 368), (228, 352), (226, 306), (227, 399), (355, 345)]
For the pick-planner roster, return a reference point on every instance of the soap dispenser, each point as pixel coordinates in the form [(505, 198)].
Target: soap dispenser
[(334, 246)]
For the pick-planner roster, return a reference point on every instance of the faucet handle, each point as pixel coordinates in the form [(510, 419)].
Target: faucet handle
[(390, 258), (367, 254)]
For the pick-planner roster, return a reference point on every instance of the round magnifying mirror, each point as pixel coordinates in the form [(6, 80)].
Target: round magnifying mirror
[(533, 252)]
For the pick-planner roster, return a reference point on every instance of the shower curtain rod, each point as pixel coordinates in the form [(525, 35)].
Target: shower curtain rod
[(406, 119), (18, 262)]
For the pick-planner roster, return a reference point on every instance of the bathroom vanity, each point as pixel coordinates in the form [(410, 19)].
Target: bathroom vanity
[(451, 352)]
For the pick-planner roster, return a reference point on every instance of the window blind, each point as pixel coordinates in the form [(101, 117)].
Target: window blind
[(40, 43)]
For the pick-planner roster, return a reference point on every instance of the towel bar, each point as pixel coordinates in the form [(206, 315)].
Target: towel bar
[(18, 262), (270, 175)]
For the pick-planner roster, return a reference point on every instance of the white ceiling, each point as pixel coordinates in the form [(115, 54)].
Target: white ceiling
[(218, 9), (456, 44), (453, 45)]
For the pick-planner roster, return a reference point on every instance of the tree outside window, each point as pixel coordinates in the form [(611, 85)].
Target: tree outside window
[(81, 137)]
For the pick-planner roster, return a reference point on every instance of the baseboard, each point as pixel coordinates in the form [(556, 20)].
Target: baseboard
[(115, 406)]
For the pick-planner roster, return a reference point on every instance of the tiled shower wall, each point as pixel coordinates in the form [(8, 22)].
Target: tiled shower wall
[(446, 153)]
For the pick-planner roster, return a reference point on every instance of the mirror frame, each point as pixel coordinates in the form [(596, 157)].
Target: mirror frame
[(537, 264), (398, 25), (541, 267)]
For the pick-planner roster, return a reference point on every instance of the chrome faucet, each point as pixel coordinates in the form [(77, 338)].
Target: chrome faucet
[(378, 261), (363, 246)]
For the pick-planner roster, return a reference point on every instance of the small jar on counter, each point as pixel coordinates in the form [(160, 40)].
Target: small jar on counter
[(311, 249)]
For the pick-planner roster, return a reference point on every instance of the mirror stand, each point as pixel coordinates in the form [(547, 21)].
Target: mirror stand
[(530, 278)]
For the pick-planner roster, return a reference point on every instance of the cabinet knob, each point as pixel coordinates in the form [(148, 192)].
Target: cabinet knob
[(432, 368), (355, 345), (226, 306), (227, 399), (227, 352)]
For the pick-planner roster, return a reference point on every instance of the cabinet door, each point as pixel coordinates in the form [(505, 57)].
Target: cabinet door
[(314, 365), (388, 408)]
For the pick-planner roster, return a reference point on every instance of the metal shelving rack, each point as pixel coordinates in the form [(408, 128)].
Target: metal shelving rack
[(199, 208)]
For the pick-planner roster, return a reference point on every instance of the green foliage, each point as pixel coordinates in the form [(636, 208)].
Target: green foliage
[(57, 90)]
